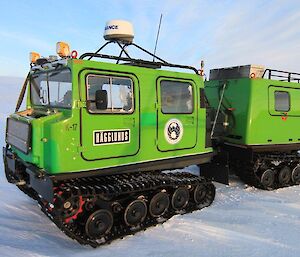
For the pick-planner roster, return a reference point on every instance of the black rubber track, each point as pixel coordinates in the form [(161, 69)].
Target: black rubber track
[(251, 172), (114, 193)]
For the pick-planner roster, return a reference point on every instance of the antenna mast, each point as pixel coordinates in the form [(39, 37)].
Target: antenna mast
[(157, 37)]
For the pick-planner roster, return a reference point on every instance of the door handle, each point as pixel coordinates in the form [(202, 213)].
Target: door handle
[(190, 120), (129, 121)]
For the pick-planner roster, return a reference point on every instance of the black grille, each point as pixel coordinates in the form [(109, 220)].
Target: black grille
[(18, 134)]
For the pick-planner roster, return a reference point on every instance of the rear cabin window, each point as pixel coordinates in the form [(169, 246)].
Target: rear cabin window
[(176, 97), (107, 94), (282, 101)]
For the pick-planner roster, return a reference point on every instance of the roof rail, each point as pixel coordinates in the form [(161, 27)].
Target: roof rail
[(132, 61), (282, 75)]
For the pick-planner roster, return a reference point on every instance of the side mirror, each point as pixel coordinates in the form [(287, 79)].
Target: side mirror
[(101, 99)]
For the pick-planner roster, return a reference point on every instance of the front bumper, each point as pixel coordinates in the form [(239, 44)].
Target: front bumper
[(25, 174), (10, 165)]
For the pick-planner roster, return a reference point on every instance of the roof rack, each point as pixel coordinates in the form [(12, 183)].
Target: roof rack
[(132, 61), (282, 75)]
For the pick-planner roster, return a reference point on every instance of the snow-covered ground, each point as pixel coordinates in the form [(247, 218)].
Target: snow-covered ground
[(242, 221)]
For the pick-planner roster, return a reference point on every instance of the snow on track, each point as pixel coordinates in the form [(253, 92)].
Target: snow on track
[(243, 221)]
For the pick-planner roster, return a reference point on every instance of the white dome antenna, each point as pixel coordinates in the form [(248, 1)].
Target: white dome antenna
[(119, 30)]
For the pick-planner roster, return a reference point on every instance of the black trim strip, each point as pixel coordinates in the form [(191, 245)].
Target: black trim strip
[(172, 163), (266, 148)]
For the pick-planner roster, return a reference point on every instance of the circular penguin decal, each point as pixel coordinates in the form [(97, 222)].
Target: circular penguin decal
[(173, 131)]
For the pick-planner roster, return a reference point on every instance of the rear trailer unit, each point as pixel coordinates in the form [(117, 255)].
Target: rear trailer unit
[(95, 136), (260, 139)]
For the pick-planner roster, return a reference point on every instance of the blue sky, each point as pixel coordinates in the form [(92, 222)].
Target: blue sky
[(222, 33)]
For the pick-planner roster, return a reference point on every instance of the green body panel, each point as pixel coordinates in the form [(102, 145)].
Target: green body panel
[(254, 119), (62, 142)]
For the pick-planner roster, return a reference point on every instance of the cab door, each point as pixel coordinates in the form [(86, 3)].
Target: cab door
[(176, 114), (110, 121)]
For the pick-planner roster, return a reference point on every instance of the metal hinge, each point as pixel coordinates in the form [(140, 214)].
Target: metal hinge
[(81, 149), (157, 105), (80, 104)]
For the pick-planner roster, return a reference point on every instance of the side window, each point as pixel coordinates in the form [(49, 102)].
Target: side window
[(107, 94), (282, 101), (176, 97)]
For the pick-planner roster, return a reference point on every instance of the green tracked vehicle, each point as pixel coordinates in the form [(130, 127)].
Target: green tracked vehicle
[(260, 109), (95, 136)]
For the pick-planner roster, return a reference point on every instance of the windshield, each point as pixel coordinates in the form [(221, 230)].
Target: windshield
[(52, 89)]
